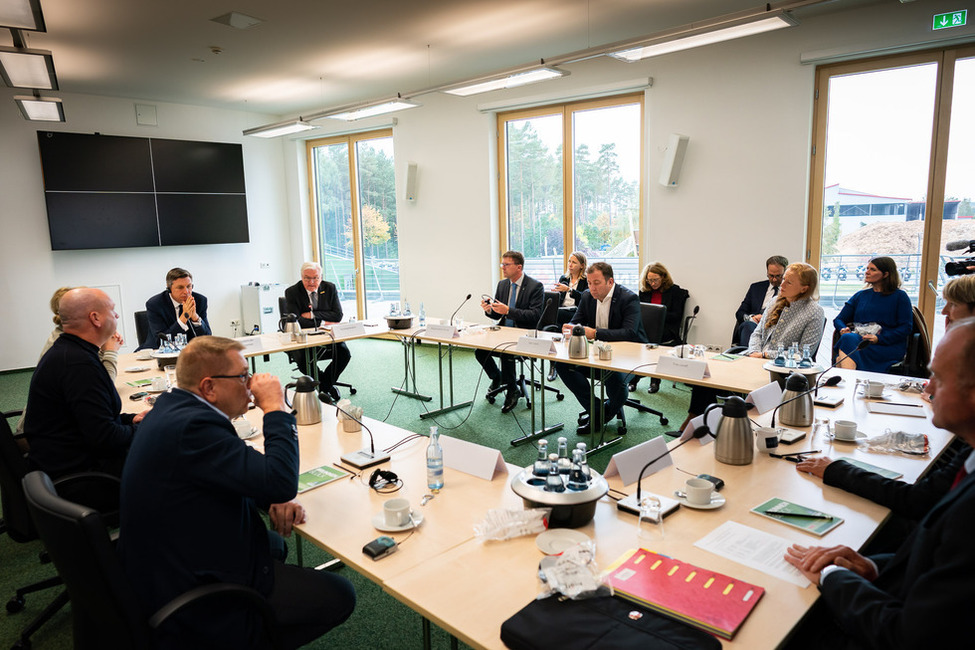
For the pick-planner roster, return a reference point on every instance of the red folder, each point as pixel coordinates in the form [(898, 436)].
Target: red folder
[(705, 599)]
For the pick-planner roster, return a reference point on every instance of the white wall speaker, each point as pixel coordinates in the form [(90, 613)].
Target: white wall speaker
[(411, 182), (673, 159)]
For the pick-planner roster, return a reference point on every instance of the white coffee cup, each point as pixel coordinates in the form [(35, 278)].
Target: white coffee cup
[(874, 388), (396, 512), (243, 427), (845, 430), (766, 439), (698, 491), (159, 383)]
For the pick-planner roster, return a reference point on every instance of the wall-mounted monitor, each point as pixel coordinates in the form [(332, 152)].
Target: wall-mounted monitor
[(121, 192)]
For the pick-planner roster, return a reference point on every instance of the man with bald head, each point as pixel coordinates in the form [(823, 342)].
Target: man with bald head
[(190, 496), (75, 422)]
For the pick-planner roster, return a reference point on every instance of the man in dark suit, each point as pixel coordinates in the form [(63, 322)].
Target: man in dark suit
[(518, 302), (177, 310), (757, 298), (316, 302), (609, 312), (919, 596), (75, 422), (189, 515)]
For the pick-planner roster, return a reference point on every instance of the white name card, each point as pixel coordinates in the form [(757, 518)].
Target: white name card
[(472, 458), (765, 398), (684, 368), (441, 331), (714, 417), (251, 342), (344, 330), (532, 345), (628, 463)]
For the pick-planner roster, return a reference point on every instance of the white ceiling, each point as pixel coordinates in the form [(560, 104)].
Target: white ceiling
[(308, 55)]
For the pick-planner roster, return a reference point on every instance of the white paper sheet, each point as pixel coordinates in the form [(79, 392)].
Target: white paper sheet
[(753, 548)]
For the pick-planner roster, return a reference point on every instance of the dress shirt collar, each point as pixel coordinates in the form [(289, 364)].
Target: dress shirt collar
[(176, 388), (176, 305)]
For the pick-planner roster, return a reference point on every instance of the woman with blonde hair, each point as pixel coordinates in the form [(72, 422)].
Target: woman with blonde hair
[(570, 287), (793, 317), (959, 296)]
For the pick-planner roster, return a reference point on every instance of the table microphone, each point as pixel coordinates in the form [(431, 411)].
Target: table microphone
[(458, 308), (362, 459), (634, 508), (862, 344), (538, 325)]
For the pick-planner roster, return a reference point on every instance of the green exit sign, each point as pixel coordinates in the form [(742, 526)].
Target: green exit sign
[(951, 19)]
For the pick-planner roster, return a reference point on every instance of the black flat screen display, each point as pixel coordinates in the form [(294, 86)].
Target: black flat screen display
[(122, 192)]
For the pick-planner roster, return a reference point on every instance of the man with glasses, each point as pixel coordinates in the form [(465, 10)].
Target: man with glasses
[(190, 495), (518, 302), (316, 302), (757, 298), (177, 310)]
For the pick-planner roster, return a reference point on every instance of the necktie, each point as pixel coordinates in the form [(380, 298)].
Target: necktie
[(775, 291), (959, 477), (314, 300), (512, 300)]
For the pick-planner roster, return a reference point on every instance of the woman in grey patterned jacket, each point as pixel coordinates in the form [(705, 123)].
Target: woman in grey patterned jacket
[(794, 317)]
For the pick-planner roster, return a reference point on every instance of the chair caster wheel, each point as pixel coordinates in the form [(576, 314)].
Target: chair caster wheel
[(559, 397), (664, 421), (15, 604), (351, 391)]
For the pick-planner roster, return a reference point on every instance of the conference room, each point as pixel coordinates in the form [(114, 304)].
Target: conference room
[(746, 189)]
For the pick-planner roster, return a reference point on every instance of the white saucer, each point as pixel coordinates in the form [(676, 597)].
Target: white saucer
[(379, 523), (860, 435), (717, 500), (154, 391), (138, 368), (556, 540), (254, 432), (164, 355)]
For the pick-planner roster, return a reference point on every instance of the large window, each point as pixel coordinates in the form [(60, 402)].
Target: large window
[(354, 218), (553, 204), (893, 172)]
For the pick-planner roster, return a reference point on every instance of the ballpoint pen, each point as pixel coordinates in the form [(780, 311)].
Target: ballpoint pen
[(806, 515)]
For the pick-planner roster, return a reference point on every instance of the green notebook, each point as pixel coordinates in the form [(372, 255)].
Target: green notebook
[(886, 473), (318, 476), (798, 516)]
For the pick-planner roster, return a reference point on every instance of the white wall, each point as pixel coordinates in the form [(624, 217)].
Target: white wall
[(746, 105), (32, 271)]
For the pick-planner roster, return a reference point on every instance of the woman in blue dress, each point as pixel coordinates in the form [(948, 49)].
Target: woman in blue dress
[(883, 303)]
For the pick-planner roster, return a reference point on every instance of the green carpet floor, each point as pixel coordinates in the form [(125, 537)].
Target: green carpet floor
[(377, 366)]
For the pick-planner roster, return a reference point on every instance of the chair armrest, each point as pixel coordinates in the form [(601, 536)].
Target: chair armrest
[(13, 414), (551, 328), (96, 490), (246, 596), (735, 349)]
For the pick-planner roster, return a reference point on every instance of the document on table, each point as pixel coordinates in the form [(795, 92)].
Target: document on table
[(753, 548)]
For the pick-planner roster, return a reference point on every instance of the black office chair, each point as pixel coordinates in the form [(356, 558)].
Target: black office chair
[(282, 310), (915, 362), (104, 609), (141, 327), (654, 319), (546, 322), (18, 525)]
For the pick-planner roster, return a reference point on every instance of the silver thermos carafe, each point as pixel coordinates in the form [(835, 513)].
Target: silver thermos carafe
[(307, 407), (578, 345), (289, 325), (734, 443), (798, 412)]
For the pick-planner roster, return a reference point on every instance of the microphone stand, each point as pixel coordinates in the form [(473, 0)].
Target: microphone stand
[(538, 325), (863, 343), (631, 504), (362, 459), (458, 308)]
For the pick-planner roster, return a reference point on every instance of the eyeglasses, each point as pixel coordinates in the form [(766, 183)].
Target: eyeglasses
[(243, 378), (507, 264), (774, 277)]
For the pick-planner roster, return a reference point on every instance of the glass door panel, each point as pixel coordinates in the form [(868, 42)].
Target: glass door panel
[(878, 147), (333, 204), (378, 237), (606, 188), (959, 210), (534, 194)]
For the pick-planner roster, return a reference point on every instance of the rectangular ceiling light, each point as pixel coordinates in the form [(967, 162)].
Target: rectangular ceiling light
[(22, 14), (40, 109), (24, 68), (372, 110), (280, 128), (508, 81), (705, 36)]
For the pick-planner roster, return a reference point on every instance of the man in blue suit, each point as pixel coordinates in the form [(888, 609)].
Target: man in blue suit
[(191, 489), (609, 312), (177, 310), (757, 298), (921, 595), (518, 302)]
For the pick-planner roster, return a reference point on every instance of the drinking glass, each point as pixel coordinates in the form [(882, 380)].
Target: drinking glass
[(650, 524)]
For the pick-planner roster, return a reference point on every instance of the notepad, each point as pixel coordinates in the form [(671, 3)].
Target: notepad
[(886, 473), (319, 476), (804, 517), (708, 600)]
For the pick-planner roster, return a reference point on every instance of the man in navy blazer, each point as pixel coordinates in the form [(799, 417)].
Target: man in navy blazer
[(316, 302), (191, 489), (609, 312), (757, 298), (529, 296), (921, 595), (177, 310)]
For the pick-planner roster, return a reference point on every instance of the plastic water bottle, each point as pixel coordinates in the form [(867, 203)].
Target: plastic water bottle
[(434, 461), (540, 468), (423, 316)]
